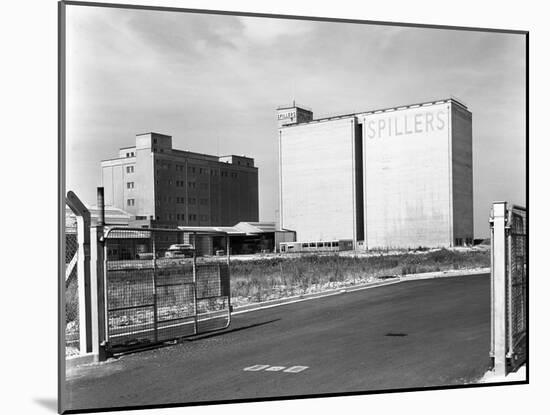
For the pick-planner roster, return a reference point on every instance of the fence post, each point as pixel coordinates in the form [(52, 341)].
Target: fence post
[(97, 290), (83, 270), (196, 325), (155, 297), (498, 277)]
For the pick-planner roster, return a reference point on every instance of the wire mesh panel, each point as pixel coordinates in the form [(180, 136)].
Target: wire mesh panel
[(517, 287), (158, 290), (212, 296)]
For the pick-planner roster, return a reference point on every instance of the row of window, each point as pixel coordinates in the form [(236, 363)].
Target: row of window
[(194, 170), (130, 169), (130, 154), (191, 216), (181, 200), (172, 216)]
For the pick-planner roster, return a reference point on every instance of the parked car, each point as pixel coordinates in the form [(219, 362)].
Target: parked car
[(144, 255), (180, 250)]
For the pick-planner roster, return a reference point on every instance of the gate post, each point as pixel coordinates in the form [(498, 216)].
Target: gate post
[(498, 279), (97, 285)]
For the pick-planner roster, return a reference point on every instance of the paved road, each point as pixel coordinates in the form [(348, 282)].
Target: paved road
[(411, 334)]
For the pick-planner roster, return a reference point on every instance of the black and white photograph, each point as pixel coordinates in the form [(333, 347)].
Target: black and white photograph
[(259, 207), (274, 207)]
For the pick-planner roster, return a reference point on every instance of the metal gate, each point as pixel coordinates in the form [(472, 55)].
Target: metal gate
[(158, 289), (508, 287), (516, 293)]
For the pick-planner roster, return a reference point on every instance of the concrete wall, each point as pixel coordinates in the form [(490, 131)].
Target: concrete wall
[(407, 177), (463, 218), (316, 176), (113, 179), (144, 178)]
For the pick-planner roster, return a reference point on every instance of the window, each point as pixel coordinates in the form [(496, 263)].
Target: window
[(129, 169), (131, 202), (204, 186), (192, 201), (191, 185), (130, 185), (192, 216), (203, 201), (204, 217)]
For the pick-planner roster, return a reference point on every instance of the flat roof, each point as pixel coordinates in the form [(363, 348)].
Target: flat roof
[(240, 229), (388, 109), (152, 132)]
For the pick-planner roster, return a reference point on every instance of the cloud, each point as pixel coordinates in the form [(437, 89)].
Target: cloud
[(210, 78), (268, 30)]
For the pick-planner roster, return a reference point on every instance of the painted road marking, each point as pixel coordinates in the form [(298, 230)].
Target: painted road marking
[(295, 369), (255, 368), (274, 368), (269, 368)]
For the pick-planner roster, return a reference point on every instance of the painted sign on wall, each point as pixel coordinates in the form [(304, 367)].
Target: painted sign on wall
[(400, 123)]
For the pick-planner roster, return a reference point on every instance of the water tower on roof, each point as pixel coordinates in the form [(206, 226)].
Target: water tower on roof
[(293, 114)]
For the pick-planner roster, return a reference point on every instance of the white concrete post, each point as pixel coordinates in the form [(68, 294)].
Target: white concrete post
[(498, 276), (97, 293), (83, 270), (83, 277)]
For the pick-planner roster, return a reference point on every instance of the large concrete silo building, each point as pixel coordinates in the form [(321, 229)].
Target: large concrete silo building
[(392, 178)]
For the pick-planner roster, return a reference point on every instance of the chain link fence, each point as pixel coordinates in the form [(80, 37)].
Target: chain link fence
[(72, 336), (509, 286), (516, 293)]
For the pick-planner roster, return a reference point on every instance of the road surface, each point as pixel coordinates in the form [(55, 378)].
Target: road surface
[(412, 334)]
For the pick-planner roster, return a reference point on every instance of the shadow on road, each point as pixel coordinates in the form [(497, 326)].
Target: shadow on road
[(48, 403), (220, 333)]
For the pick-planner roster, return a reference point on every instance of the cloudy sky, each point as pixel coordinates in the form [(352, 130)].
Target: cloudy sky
[(214, 82)]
